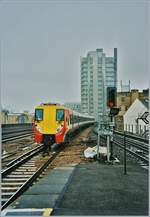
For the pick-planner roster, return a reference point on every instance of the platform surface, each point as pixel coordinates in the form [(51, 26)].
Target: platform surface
[(87, 189), (99, 189)]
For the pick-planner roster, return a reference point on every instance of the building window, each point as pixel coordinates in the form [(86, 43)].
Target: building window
[(99, 60)]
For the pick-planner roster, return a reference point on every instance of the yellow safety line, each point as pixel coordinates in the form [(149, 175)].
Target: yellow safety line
[(47, 212)]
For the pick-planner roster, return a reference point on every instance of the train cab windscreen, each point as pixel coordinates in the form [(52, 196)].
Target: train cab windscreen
[(38, 114), (59, 114)]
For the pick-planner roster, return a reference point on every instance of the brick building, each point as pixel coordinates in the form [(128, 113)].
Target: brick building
[(125, 100)]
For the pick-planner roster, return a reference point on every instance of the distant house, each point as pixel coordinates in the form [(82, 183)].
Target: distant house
[(132, 121), (124, 100), (15, 118)]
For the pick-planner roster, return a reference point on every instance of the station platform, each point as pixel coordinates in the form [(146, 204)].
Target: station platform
[(90, 188)]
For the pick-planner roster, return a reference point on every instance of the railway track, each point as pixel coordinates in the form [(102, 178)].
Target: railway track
[(7, 155), (141, 157), (19, 175), (135, 146), (133, 136), (22, 172), (15, 136), (12, 132), (20, 159), (21, 148)]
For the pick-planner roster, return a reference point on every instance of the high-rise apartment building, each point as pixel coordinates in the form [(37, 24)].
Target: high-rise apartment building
[(76, 106), (97, 73)]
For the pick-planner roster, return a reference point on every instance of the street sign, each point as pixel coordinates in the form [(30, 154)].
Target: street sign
[(144, 117)]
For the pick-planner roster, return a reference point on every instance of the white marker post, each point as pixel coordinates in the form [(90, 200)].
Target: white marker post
[(98, 141), (108, 148)]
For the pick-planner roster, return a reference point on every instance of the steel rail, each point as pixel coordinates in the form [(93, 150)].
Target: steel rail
[(24, 155), (6, 126), (142, 142), (15, 130), (145, 159), (134, 143), (130, 142), (8, 155), (131, 139), (12, 132), (132, 136), (30, 181), (16, 137), (15, 133), (20, 160), (144, 149)]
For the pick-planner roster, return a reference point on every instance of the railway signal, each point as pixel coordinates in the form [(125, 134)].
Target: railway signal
[(114, 111), (111, 96), (111, 100)]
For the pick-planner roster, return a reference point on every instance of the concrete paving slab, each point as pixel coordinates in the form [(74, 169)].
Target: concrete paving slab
[(45, 189), (36, 201), (52, 180), (62, 173), (65, 167), (91, 212), (105, 190), (92, 189)]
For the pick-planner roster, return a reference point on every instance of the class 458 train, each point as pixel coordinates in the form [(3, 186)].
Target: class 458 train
[(54, 123)]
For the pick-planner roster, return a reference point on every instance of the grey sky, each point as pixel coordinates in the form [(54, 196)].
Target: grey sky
[(42, 42)]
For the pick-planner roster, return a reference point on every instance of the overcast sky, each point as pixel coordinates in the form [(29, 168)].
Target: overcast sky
[(42, 41)]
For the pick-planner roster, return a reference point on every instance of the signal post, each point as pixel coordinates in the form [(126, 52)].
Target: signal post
[(106, 123)]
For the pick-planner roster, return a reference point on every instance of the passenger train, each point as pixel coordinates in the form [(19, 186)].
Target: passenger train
[(54, 123)]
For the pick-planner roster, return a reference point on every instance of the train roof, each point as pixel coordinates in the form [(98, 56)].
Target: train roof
[(50, 103), (82, 115), (74, 112)]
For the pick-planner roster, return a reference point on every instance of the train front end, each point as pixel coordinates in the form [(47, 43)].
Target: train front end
[(49, 126)]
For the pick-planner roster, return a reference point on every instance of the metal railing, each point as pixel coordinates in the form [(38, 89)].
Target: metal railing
[(134, 145)]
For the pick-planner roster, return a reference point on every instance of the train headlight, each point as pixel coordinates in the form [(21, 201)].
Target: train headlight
[(59, 128), (39, 129)]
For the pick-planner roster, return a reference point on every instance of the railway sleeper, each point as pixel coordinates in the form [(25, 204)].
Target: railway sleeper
[(7, 195), (18, 176), (29, 165), (12, 184), (25, 169), (9, 189), (14, 180), (22, 173)]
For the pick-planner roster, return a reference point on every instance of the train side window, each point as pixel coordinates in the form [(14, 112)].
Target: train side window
[(59, 114), (67, 120), (70, 120), (75, 119), (38, 114)]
